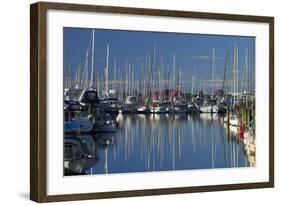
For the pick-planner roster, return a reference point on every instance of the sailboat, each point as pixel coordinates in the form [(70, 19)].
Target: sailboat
[(234, 121), (211, 107), (158, 108), (130, 105), (143, 110), (74, 122), (93, 109)]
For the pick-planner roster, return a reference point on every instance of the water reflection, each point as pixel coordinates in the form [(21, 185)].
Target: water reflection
[(164, 142)]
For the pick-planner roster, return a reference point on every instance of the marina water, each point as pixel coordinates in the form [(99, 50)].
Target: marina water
[(163, 142)]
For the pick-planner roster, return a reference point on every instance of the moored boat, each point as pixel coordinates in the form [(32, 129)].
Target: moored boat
[(234, 121), (143, 110), (192, 108), (209, 109), (82, 125), (130, 105), (104, 123)]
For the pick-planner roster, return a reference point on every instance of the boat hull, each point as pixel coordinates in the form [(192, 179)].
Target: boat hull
[(78, 125), (105, 127)]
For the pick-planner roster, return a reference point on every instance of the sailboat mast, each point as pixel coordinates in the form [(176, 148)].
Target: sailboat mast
[(142, 79), (129, 79), (92, 64), (98, 82), (193, 84), (132, 80), (225, 72), (115, 74), (234, 74), (154, 68), (174, 68), (69, 77), (85, 72), (179, 81), (213, 72), (194, 81), (237, 69), (78, 75), (106, 69), (126, 79), (246, 77)]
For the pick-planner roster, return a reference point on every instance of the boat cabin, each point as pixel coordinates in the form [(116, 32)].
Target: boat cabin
[(89, 96)]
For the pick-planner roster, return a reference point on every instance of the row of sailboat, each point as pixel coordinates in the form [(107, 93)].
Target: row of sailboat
[(157, 85)]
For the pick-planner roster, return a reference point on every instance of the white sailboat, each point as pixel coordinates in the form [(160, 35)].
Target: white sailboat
[(130, 105), (211, 107), (143, 110)]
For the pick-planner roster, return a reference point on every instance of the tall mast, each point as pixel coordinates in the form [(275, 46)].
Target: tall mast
[(154, 67), (115, 74), (98, 82), (179, 81), (193, 83), (106, 69), (194, 80), (146, 82), (142, 79), (149, 77), (234, 73), (132, 79), (161, 75), (174, 69), (246, 77), (253, 83), (213, 72), (69, 77), (92, 65), (126, 79), (129, 79), (237, 69), (119, 88), (225, 72), (78, 75), (85, 71)]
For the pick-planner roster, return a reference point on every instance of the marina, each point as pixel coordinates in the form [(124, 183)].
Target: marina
[(148, 143), (157, 113)]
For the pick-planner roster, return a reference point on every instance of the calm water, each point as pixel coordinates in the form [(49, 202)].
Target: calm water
[(163, 142)]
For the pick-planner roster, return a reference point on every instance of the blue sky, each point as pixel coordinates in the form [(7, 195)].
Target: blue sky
[(193, 52)]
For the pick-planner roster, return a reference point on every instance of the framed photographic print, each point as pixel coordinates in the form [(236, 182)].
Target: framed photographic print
[(134, 102)]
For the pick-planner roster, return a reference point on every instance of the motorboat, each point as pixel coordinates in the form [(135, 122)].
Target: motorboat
[(130, 105), (74, 122), (110, 105), (81, 125), (234, 121), (158, 108), (89, 96), (104, 123), (209, 108), (71, 109), (192, 108), (128, 108), (180, 108), (143, 110)]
